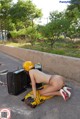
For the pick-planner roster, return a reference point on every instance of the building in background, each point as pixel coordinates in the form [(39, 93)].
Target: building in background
[(3, 34)]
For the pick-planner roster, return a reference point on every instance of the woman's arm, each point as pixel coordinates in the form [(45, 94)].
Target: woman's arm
[(33, 83)]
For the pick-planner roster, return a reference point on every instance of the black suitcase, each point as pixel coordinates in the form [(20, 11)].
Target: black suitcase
[(17, 81)]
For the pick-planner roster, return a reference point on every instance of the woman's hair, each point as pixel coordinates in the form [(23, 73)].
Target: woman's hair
[(28, 65)]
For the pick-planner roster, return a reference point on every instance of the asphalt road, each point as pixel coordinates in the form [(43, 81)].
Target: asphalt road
[(55, 108)]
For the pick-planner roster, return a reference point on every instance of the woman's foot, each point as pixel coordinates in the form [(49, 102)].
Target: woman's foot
[(68, 90), (64, 94)]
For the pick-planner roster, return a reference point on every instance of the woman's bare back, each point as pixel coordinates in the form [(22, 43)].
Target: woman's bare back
[(40, 77)]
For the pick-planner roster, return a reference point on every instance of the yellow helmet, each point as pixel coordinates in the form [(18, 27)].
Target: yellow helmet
[(28, 65)]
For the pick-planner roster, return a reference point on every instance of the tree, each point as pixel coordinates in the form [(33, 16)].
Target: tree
[(73, 15), (24, 12), (56, 15), (4, 14), (57, 26)]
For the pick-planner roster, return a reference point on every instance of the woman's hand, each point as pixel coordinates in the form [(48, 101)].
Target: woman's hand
[(33, 82), (34, 96)]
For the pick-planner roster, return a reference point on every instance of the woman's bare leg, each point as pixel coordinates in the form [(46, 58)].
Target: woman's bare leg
[(56, 83), (54, 91), (57, 93), (50, 89)]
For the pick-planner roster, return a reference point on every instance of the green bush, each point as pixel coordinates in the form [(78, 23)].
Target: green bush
[(16, 34)]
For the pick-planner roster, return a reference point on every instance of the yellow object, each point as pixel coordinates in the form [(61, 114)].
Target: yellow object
[(39, 98), (28, 65), (30, 94)]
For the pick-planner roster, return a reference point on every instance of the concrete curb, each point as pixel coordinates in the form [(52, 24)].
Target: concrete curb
[(63, 65)]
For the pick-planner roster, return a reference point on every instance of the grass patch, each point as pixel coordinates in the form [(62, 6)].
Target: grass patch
[(62, 48)]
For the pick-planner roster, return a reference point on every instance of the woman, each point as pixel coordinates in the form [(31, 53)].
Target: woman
[(55, 83)]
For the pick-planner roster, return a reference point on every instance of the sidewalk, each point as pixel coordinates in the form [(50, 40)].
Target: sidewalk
[(55, 108)]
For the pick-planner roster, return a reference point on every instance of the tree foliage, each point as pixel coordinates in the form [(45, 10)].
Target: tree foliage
[(23, 13), (4, 15), (19, 15), (73, 15), (66, 23)]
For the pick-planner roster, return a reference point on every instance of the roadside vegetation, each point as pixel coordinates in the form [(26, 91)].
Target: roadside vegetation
[(61, 35)]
